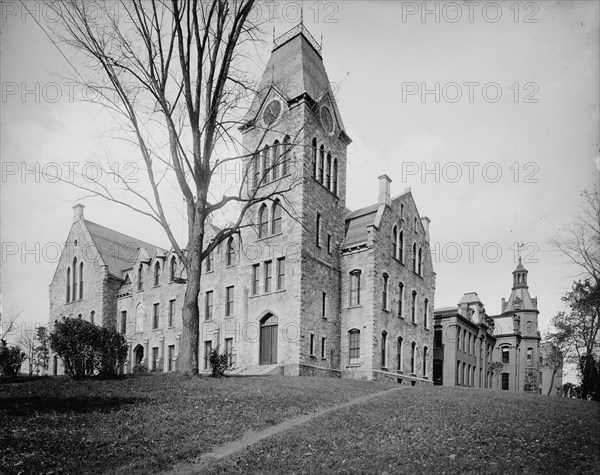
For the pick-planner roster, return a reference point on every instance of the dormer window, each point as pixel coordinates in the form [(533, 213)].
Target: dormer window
[(156, 274), (140, 278)]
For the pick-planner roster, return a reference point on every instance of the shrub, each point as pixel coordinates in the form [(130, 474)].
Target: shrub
[(86, 348), (11, 360), (219, 363), (140, 369)]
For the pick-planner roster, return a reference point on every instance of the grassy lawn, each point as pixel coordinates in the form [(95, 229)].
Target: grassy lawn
[(147, 423), (436, 430)]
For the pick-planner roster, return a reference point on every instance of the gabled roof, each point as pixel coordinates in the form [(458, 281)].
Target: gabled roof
[(118, 251)]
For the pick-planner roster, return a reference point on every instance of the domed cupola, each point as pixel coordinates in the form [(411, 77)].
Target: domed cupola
[(520, 276)]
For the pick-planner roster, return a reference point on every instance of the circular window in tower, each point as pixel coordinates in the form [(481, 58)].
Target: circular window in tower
[(327, 119), (271, 112)]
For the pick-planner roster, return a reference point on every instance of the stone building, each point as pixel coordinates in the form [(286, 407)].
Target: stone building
[(308, 287)]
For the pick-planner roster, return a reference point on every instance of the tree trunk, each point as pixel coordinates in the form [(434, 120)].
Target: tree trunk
[(552, 381)]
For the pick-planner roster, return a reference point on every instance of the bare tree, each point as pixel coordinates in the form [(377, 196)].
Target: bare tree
[(172, 73), (7, 326), (28, 342)]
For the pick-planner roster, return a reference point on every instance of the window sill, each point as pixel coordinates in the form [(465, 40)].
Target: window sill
[(209, 271), (400, 317), (263, 238), (355, 306), (356, 365), (385, 310), (323, 358), (399, 371), (384, 368)]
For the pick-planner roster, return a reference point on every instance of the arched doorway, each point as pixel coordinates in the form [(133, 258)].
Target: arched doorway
[(138, 355), (268, 339)]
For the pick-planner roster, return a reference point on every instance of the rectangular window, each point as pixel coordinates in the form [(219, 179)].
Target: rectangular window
[(413, 310), (171, 312), (329, 243), (399, 354), (355, 288), (425, 310), (324, 305), (268, 275), (208, 305), (155, 358), (312, 344), (229, 301), (209, 262), (437, 338), (124, 322), (384, 292), (505, 355), (155, 317), (207, 350), (354, 347), (318, 231), (323, 342), (400, 298), (529, 356), (171, 361), (505, 381), (255, 278), (229, 350), (281, 273)]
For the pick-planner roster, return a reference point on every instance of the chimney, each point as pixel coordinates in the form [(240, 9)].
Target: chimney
[(384, 190), (78, 213), (425, 222)]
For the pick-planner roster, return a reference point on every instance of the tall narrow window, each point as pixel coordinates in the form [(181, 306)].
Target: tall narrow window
[(383, 349), (354, 347), (229, 350), (505, 355), (123, 322), (413, 350), (230, 252), (255, 278), (256, 164), (171, 312), (92, 316), (425, 313), (229, 301), (276, 159), (81, 280), (384, 292), (276, 218), (318, 230), (68, 284), (263, 222), (314, 158), (420, 263), (285, 156), (328, 172), (312, 344), (268, 275), (395, 242), (173, 269), (437, 338), (400, 298), (425, 361), (355, 287), (529, 356), (335, 176), (266, 164), (208, 305), (401, 210), (399, 354), (505, 377), (281, 273), (401, 247), (171, 360), (414, 257), (140, 278), (321, 163), (207, 350), (324, 305), (156, 274), (323, 346), (155, 316), (74, 296), (413, 310)]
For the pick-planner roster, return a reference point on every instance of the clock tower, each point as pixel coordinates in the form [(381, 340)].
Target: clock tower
[(296, 141)]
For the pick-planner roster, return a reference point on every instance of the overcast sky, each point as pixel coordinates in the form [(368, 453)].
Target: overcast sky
[(488, 112)]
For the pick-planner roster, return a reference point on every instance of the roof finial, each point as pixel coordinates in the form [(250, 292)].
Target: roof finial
[(519, 247)]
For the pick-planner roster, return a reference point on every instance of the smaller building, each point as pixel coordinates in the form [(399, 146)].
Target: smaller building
[(463, 344)]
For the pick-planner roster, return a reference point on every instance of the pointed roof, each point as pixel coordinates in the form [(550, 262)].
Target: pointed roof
[(520, 267), (295, 69), (118, 251)]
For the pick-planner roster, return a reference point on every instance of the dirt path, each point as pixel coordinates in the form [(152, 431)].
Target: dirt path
[(251, 437)]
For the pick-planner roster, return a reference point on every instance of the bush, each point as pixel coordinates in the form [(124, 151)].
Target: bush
[(140, 369), (11, 360), (219, 363), (86, 348)]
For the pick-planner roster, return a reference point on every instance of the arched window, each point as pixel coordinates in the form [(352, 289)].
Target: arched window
[(230, 252), (173, 269), (275, 160), (458, 373), (156, 274), (355, 287), (401, 247), (400, 298), (321, 163), (314, 158), (414, 258), (140, 277), (395, 242), (384, 292), (92, 316), (335, 176), (328, 171), (285, 157), (276, 218), (413, 350), (425, 311), (74, 294), (263, 222), (383, 349), (68, 284), (354, 346), (266, 164), (424, 361), (420, 261), (413, 309), (399, 353), (81, 280)]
